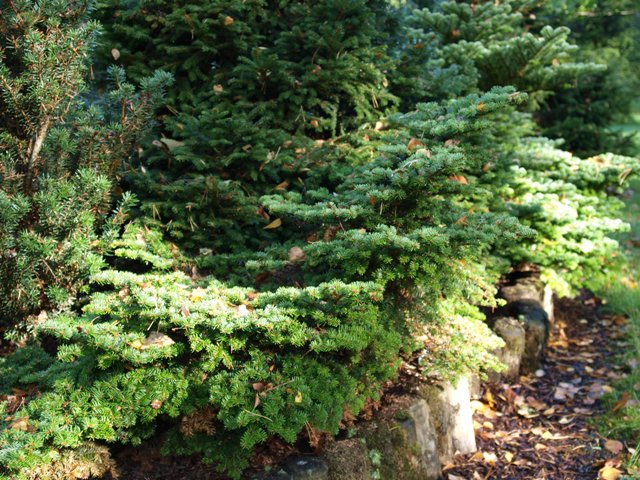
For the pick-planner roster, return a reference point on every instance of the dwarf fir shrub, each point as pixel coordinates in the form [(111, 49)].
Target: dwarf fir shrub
[(570, 202), (258, 362), (257, 84), (492, 44), (572, 205)]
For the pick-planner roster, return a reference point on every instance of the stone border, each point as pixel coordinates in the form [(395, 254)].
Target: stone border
[(415, 436), (530, 303)]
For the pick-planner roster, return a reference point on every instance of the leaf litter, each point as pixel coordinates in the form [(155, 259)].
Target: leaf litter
[(539, 427)]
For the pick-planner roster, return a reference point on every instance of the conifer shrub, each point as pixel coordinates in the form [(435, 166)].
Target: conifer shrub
[(492, 43), (573, 205), (325, 235), (257, 84), (235, 365), (607, 33), (59, 156), (570, 202)]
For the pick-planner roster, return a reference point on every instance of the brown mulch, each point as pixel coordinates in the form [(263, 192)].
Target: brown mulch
[(539, 428)]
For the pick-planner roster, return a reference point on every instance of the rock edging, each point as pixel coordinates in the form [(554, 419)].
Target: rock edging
[(414, 438)]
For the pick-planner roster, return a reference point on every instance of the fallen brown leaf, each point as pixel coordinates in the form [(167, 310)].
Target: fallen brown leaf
[(622, 401), (614, 446), (609, 473)]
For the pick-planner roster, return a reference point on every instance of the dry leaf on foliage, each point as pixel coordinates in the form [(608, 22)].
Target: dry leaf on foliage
[(460, 179), (156, 339), (282, 185), (21, 424), (414, 143), (197, 294), (296, 254), (275, 224)]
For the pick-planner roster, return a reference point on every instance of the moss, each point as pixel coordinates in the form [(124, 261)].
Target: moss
[(400, 457)]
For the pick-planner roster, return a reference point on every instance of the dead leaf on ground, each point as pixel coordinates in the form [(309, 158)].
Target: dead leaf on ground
[(609, 473), (624, 398), (614, 446)]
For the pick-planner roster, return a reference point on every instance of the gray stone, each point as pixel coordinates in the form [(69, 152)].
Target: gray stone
[(464, 436), (402, 441), (536, 325), (526, 288), (421, 432), (475, 387), (277, 475), (513, 333), (531, 302), (308, 468), (547, 303), (450, 408)]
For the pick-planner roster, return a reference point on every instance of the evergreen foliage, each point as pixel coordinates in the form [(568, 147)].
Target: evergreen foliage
[(572, 205), (227, 350), (164, 344), (608, 33), (345, 181), (257, 83), (58, 155), (568, 201)]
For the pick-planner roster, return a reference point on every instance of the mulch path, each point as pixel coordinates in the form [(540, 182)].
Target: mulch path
[(539, 428)]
